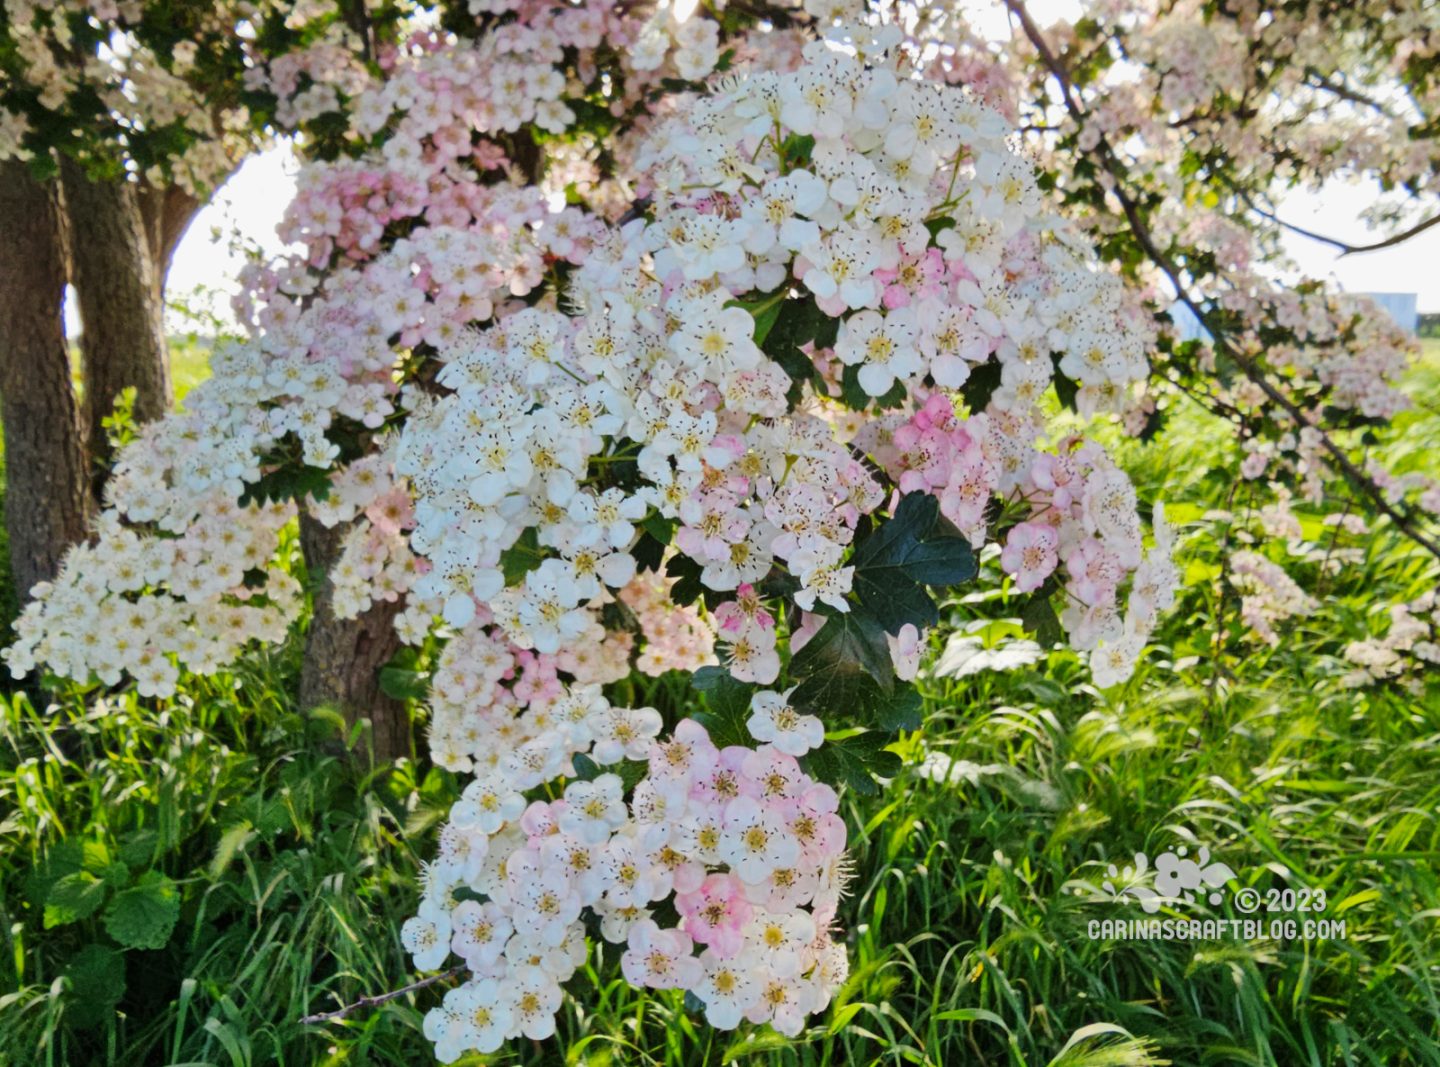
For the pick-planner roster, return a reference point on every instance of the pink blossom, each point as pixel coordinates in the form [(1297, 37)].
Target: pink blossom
[(716, 914), (1030, 555)]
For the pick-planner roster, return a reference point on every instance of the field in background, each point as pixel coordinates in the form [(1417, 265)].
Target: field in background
[(280, 875)]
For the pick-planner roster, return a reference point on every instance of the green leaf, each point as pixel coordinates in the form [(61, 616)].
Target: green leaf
[(798, 323), (727, 706), (1039, 618), (765, 321), (854, 396), (401, 684), (854, 761), (138, 848), (521, 558), (796, 149), (144, 915), (97, 982), (849, 643), (908, 551), (630, 771), (656, 532), (288, 483), (901, 711), (1065, 389), (72, 898), (981, 385), (687, 588), (845, 671)]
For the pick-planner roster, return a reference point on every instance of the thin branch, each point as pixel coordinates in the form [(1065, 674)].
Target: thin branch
[(1345, 247), (1343, 91), (376, 1001), (1357, 478)]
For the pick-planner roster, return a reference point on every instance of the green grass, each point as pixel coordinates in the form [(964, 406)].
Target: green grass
[(292, 867)]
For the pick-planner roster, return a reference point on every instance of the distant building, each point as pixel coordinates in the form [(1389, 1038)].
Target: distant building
[(1401, 306)]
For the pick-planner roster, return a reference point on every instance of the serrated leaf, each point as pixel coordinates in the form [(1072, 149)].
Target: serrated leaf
[(901, 711), (727, 706), (849, 642), (853, 761), (910, 550), (980, 386), (97, 982), (288, 483), (72, 898), (144, 915), (139, 847), (629, 771), (798, 323), (687, 588)]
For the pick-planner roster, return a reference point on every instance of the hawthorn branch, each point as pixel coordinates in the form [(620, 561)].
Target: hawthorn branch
[(376, 1001), (1345, 247), (1359, 481), (1317, 80)]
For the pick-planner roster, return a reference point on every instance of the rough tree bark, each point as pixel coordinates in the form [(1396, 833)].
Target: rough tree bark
[(47, 496), (343, 657), (116, 283)]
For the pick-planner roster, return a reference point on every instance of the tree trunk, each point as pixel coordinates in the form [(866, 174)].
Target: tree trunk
[(167, 212), (343, 657), (123, 344), (47, 497)]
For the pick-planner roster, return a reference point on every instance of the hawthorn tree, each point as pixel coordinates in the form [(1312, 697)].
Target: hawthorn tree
[(128, 117), (628, 340), (1170, 131)]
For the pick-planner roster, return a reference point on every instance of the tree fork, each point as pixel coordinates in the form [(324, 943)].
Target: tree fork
[(47, 496), (123, 344), (343, 657)]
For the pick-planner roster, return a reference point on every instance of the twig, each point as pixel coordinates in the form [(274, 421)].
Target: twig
[(1357, 478), (1345, 247), (376, 1001)]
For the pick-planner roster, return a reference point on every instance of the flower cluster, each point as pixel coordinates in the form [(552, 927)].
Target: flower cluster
[(1268, 594), (1407, 653), (573, 450), (747, 847), (179, 574), (1079, 527)]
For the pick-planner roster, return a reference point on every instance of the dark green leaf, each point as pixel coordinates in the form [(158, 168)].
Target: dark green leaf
[(849, 642), (908, 551), (648, 552), (288, 483), (853, 761), (1039, 618), (981, 385), (521, 558), (144, 915), (97, 982), (727, 705), (901, 711), (687, 588)]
